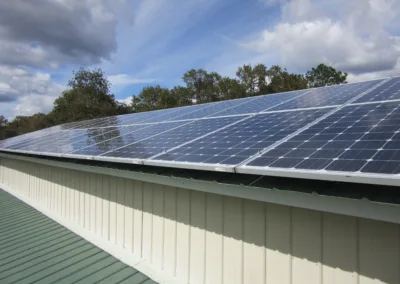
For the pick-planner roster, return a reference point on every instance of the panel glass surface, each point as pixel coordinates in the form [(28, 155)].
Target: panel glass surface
[(170, 139), (261, 103), (389, 90), (131, 134), (214, 109), (328, 96), (362, 138), (45, 143), (91, 136), (5, 144), (239, 142)]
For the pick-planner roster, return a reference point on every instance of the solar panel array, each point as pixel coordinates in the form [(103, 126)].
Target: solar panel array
[(345, 132)]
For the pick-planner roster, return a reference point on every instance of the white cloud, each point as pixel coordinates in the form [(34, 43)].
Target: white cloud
[(25, 92), (355, 36), (127, 100), (125, 79), (306, 44), (28, 105)]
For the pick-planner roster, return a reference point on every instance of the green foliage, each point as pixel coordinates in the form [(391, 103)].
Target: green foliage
[(281, 81), (183, 95), (253, 79), (152, 98), (231, 89), (203, 85), (24, 124), (88, 97), (324, 75)]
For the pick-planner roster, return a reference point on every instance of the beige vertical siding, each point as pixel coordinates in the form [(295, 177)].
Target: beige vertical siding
[(196, 237)]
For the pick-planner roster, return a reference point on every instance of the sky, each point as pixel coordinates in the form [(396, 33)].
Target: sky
[(146, 42)]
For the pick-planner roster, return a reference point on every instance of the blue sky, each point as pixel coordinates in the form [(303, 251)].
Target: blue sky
[(146, 42)]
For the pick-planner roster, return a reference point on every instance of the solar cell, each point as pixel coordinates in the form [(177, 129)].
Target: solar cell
[(390, 90), (328, 96), (127, 137), (261, 103), (214, 109), (240, 141), (91, 136), (42, 144), (5, 144), (360, 138), (164, 141)]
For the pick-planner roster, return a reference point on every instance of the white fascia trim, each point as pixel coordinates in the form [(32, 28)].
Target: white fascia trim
[(116, 250), (338, 205)]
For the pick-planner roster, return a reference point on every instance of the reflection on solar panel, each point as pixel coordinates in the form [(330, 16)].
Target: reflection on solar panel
[(356, 138), (390, 90), (346, 132), (238, 142), (328, 96), (137, 134), (262, 103), (167, 140)]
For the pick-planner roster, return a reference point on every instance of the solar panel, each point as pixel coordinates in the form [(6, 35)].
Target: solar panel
[(390, 90), (42, 143), (160, 143), (137, 134), (337, 132), (26, 137), (77, 139), (122, 137), (362, 138), (261, 103), (240, 141), (328, 96)]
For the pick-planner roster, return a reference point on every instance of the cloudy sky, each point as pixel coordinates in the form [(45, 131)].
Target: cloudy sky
[(142, 42)]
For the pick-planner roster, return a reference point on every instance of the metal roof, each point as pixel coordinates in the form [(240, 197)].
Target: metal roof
[(36, 249)]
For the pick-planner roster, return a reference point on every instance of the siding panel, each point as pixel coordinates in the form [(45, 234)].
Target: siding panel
[(379, 252), (157, 236), (233, 240), (339, 249), (137, 218), (170, 230), (147, 221), (120, 211), (306, 246), (254, 242), (214, 239), (196, 237), (278, 243), (183, 235), (128, 216)]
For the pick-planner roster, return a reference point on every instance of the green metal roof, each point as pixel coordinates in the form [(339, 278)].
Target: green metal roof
[(36, 249)]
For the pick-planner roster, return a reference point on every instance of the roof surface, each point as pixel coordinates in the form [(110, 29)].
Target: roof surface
[(36, 249)]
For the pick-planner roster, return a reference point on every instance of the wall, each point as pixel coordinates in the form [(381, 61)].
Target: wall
[(194, 237)]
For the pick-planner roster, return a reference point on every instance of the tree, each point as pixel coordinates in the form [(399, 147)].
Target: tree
[(324, 75), (253, 79), (231, 89), (3, 127), (24, 124), (88, 97), (281, 81), (203, 85), (152, 98), (183, 95)]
